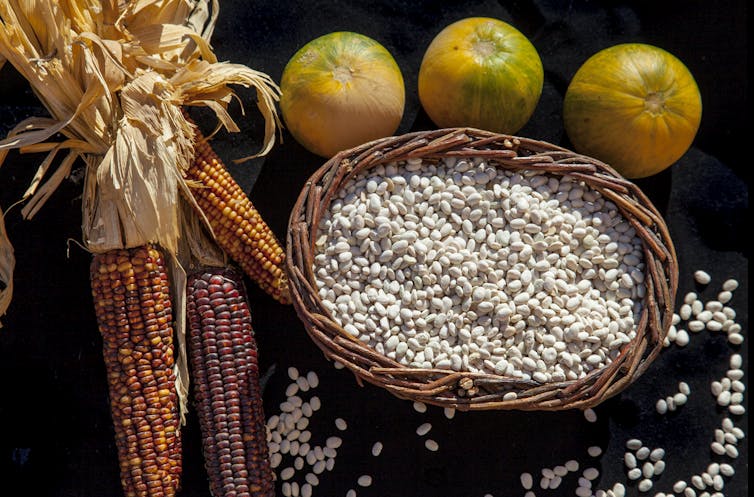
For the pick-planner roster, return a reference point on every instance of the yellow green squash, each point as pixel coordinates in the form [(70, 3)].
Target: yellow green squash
[(340, 90), (633, 106), (482, 73)]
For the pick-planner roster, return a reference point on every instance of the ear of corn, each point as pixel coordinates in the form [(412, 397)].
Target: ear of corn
[(223, 357), (112, 77), (134, 314), (237, 225)]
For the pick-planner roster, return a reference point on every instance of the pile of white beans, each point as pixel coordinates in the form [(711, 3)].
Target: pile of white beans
[(304, 463), (462, 266)]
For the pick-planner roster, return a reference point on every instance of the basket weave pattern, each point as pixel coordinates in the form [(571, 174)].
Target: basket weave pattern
[(473, 390)]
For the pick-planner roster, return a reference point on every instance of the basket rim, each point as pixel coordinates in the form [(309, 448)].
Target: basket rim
[(452, 388)]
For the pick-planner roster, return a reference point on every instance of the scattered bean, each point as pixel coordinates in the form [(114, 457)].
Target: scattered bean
[(645, 485), (287, 473), (679, 486), (590, 415), (619, 490), (364, 480), (727, 470), (526, 480), (682, 337), (642, 453), (702, 277), (583, 491), (572, 465), (697, 481), (594, 451), (684, 388), (591, 473), (634, 474), (633, 444), (377, 449), (423, 429)]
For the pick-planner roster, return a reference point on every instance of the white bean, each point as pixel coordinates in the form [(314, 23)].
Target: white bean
[(730, 285), (657, 454), (682, 338), (364, 480), (526, 480), (287, 473), (634, 474), (633, 444), (591, 473), (388, 225), (572, 465), (594, 451), (642, 453), (377, 449), (727, 470), (697, 481), (423, 429), (645, 485), (702, 277)]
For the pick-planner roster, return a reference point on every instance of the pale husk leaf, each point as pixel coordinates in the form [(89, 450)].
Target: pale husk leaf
[(202, 83), (62, 70), (7, 262), (131, 195), (177, 276), (199, 242)]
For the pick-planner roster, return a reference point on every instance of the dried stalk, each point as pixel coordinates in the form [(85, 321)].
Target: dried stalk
[(7, 262)]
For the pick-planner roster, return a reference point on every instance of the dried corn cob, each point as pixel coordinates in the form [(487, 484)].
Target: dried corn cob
[(239, 229), (223, 357), (133, 308)]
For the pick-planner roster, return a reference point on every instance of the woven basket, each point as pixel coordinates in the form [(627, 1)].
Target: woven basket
[(479, 391)]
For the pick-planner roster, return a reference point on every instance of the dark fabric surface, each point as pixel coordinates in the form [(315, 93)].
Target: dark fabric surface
[(55, 431)]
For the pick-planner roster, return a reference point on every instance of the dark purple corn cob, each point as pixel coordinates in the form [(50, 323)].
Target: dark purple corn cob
[(227, 394)]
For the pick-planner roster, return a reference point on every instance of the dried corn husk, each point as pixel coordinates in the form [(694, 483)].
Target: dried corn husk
[(113, 75), (7, 262), (78, 72)]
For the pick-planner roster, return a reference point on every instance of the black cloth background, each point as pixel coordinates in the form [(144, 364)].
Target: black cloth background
[(55, 431)]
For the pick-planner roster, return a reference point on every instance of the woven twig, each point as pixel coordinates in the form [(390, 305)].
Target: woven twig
[(482, 391)]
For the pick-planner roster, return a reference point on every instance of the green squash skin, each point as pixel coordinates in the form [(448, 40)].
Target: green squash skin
[(340, 90), (491, 78), (633, 106)]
